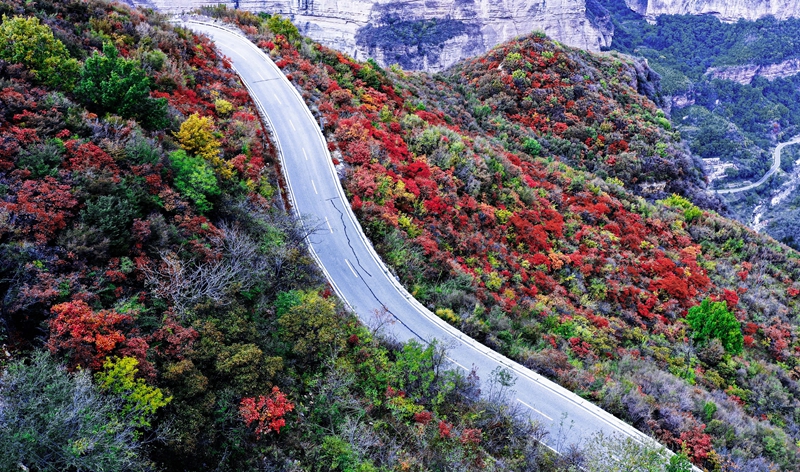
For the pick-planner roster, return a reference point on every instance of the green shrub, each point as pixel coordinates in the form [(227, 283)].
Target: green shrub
[(709, 408), (279, 25), (679, 463), (113, 216), (194, 179), (690, 211), (112, 84), (712, 320), (42, 160), (140, 400), (532, 146)]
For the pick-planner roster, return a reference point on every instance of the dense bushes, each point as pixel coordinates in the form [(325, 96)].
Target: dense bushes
[(194, 179), (26, 41), (566, 270), (110, 83), (53, 420), (144, 244)]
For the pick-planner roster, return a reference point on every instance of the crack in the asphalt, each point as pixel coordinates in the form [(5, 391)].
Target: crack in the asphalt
[(358, 261), (341, 216), (383, 305)]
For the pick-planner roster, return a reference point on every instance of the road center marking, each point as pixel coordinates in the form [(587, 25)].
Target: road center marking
[(329, 224), (456, 363), (292, 123), (304, 153), (315, 187), (276, 98), (351, 268), (534, 409)]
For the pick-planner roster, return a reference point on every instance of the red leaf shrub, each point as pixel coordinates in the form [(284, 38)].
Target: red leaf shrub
[(265, 414), (87, 336)]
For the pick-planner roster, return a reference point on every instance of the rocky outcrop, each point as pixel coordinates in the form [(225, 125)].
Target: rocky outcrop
[(725, 10), (745, 74), (426, 34)]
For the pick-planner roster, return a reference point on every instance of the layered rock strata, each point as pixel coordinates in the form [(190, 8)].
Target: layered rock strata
[(745, 74), (725, 10), (425, 34)]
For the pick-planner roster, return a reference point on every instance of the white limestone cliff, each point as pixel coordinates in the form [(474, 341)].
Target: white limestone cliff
[(725, 10), (482, 24), (745, 74)]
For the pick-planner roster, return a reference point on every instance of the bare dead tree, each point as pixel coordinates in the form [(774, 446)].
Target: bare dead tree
[(186, 284)]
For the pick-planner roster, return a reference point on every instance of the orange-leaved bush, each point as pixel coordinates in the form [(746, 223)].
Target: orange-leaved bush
[(90, 336), (266, 413)]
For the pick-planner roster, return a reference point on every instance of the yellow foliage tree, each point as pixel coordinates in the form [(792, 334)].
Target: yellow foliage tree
[(141, 400), (311, 324), (196, 137), (223, 106), (27, 41)]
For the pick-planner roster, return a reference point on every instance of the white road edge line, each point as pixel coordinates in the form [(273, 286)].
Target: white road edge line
[(315, 187), (534, 409), (597, 412), (351, 268)]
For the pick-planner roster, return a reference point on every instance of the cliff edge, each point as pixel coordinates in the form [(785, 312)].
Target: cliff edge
[(429, 34), (725, 10)]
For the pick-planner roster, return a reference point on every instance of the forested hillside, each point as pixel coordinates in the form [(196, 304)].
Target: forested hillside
[(159, 309), (738, 122), (534, 199)]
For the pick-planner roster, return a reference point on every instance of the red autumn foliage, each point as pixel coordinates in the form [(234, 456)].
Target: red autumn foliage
[(43, 206), (265, 414), (86, 156), (471, 437), (89, 336), (423, 417), (445, 430), (697, 443)]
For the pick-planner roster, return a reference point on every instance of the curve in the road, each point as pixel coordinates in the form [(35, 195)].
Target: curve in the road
[(353, 267), (776, 164)]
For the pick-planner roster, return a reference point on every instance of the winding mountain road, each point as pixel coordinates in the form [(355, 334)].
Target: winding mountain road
[(776, 164), (355, 270)]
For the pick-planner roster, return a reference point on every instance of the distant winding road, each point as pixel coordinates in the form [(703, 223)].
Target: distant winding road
[(776, 164), (355, 270)]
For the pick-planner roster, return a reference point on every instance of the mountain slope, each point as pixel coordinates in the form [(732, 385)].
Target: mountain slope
[(159, 308), (473, 203), (733, 90)]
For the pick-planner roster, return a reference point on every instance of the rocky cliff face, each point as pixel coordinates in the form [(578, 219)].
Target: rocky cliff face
[(745, 74), (426, 34), (725, 10)]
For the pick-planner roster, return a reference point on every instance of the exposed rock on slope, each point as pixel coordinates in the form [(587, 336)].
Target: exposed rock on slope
[(432, 34), (745, 74), (725, 10)]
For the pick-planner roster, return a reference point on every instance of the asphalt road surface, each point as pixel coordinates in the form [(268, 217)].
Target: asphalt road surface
[(356, 272), (776, 164)]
